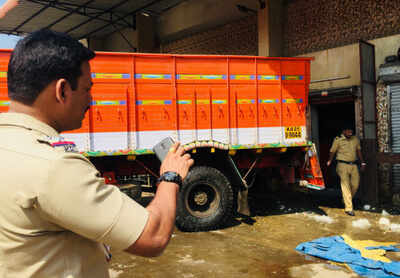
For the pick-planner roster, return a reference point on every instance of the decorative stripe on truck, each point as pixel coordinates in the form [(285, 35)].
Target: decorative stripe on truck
[(111, 75), (200, 144), (161, 76), (108, 102)]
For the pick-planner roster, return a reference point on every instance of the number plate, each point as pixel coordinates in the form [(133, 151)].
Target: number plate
[(293, 132)]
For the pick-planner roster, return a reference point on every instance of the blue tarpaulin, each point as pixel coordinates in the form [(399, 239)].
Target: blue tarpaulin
[(337, 250)]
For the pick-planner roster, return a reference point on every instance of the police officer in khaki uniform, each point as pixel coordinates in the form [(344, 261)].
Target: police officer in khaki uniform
[(347, 148), (57, 216)]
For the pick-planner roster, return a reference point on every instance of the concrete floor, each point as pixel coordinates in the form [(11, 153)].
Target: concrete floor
[(263, 245)]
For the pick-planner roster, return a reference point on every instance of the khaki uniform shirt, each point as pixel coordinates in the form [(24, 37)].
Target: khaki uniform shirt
[(55, 209), (346, 149)]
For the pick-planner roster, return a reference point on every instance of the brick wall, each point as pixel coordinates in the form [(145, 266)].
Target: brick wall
[(235, 38), (312, 25)]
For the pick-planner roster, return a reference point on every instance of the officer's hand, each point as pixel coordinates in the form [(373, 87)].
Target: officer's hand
[(177, 161), (328, 163), (362, 168)]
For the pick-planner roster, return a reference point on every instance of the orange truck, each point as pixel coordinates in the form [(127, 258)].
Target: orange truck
[(240, 117)]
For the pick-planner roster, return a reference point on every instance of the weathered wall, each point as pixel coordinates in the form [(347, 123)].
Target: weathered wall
[(312, 25), (235, 38), (195, 16), (115, 42), (345, 61), (335, 63)]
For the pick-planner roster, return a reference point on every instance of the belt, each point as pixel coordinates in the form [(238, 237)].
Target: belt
[(348, 162)]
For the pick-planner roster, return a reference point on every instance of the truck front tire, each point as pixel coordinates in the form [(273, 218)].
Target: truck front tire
[(205, 201)]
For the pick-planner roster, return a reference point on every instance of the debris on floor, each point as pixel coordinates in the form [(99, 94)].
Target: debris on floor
[(366, 258)]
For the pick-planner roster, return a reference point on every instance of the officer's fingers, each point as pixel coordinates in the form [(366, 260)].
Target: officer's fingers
[(174, 147), (180, 151), (190, 162), (186, 156)]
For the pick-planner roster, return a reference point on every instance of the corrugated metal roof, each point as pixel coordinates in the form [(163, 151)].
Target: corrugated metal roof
[(79, 18)]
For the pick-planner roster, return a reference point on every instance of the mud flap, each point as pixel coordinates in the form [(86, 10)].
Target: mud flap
[(242, 198), (311, 174), (243, 202)]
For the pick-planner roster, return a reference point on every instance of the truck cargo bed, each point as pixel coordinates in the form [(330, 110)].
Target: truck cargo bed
[(228, 102)]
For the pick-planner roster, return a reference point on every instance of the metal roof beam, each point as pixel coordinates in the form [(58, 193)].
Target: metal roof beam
[(75, 9), (130, 14), (97, 16), (49, 4), (69, 13)]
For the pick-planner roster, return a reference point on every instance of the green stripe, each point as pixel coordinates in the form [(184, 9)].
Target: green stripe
[(184, 101), (219, 101)]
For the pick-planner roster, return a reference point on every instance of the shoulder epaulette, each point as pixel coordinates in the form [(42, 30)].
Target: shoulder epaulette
[(59, 142)]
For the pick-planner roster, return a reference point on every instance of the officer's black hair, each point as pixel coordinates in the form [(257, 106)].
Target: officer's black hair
[(40, 58)]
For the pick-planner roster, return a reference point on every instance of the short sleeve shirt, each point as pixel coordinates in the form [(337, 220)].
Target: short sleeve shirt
[(56, 212), (346, 149)]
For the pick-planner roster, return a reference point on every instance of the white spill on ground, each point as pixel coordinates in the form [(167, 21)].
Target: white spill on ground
[(384, 224), (385, 213), (321, 218), (361, 223), (217, 232), (320, 271), (188, 260), (115, 273)]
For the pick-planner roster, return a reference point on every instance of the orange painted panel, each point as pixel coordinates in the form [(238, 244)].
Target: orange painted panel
[(242, 70), (220, 106), (186, 107), (203, 107), (154, 69), (293, 105), (4, 101), (109, 108), (201, 70), (294, 72), (244, 104), (269, 71), (108, 68), (156, 107), (270, 104)]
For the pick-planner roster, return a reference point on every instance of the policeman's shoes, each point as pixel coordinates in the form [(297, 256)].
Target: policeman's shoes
[(351, 213)]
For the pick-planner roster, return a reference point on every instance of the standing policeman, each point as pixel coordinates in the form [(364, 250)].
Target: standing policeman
[(56, 213), (347, 148)]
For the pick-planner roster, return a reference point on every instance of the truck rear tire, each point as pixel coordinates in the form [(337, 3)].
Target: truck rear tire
[(205, 201)]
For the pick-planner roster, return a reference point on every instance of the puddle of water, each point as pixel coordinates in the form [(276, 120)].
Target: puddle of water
[(320, 271)]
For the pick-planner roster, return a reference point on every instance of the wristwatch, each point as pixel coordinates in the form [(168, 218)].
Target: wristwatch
[(363, 163), (170, 176)]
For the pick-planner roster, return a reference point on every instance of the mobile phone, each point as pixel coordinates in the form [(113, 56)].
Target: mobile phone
[(161, 149)]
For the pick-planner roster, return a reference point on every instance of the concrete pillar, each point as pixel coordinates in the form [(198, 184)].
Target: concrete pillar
[(270, 29), (146, 33)]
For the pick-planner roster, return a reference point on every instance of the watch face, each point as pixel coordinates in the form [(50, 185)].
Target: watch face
[(171, 177)]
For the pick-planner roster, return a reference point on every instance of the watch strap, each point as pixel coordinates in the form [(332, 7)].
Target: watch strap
[(171, 176)]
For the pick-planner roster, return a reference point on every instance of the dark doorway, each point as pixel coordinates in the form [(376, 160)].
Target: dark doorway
[(330, 120)]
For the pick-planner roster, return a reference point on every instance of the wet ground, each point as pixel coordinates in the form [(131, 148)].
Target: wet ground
[(264, 245)]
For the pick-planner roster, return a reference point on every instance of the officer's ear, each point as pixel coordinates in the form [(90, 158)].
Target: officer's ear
[(61, 87)]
